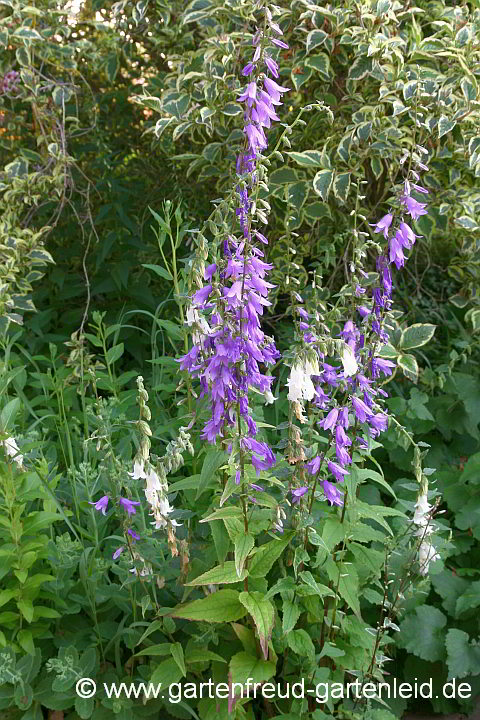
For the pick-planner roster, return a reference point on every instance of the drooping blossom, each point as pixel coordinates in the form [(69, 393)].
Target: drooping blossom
[(101, 505)]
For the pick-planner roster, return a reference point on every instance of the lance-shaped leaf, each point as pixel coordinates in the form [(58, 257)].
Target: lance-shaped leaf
[(243, 544), (220, 606), (263, 614), (220, 575)]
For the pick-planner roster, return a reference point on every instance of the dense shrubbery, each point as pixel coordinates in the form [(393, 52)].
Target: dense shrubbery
[(131, 163)]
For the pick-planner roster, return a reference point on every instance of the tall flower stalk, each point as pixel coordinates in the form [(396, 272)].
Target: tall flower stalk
[(230, 349), (342, 376)]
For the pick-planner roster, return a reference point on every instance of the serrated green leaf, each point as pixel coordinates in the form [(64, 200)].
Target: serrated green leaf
[(263, 614), (423, 633), (301, 643), (244, 666), (266, 555), (220, 606), (166, 673), (463, 658), (223, 513), (221, 575), (291, 613)]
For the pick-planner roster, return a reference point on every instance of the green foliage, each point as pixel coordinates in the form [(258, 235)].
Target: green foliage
[(122, 131)]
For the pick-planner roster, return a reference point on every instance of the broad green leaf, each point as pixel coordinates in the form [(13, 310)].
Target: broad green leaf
[(220, 539), (469, 599), (38, 521), (8, 414), (244, 666), (115, 353), (321, 63), (315, 38), (383, 6), (345, 578), (112, 66), (264, 558), (463, 656), (27, 33), (416, 335), (469, 90), (409, 366), (84, 707), (317, 210), (232, 109), (158, 650), (343, 148), (193, 656), (341, 186), (297, 194), (301, 643), (322, 183), (25, 640), (331, 651), (308, 158), (316, 588), (445, 125), (246, 636), (377, 166), (244, 542), (360, 68), (177, 105), (291, 613), (221, 575), (263, 614), (172, 329), (300, 74), (159, 270), (423, 633), (166, 673), (220, 606), (224, 513), (61, 95), (214, 459), (367, 474), (466, 222), (282, 176)]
